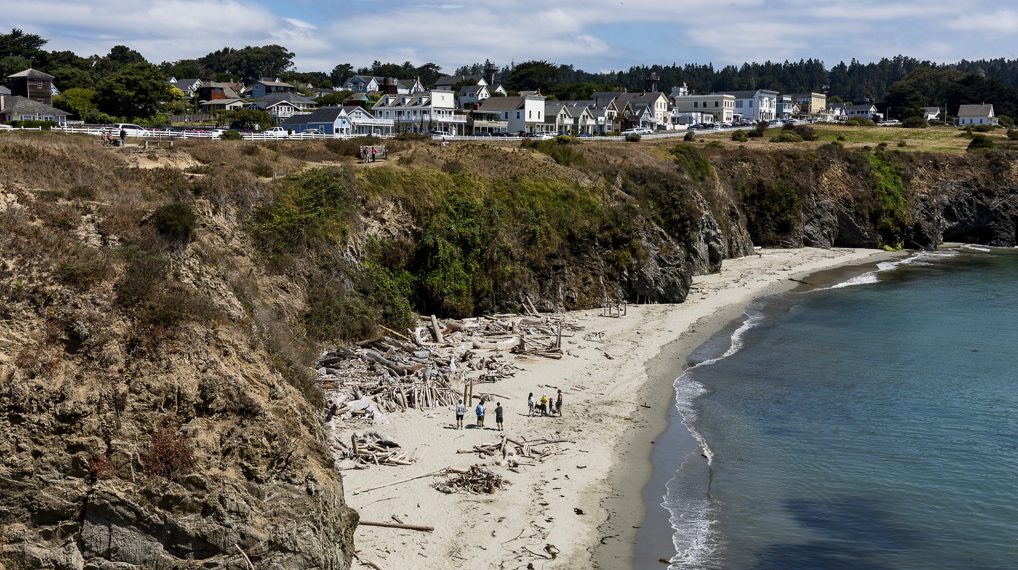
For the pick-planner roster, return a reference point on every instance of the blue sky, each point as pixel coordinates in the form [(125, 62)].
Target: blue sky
[(595, 35)]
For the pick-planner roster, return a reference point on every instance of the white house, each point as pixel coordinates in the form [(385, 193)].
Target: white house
[(347, 120), (189, 86), (865, 111), (931, 113), (837, 112), (976, 115), (754, 106), (363, 84), (281, 106), (433, 110), (523, 113), (473, 95)]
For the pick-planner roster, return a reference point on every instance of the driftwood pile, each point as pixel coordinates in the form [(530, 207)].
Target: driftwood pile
[(374, 448), (475, 480), (435, 365), (523, 448)]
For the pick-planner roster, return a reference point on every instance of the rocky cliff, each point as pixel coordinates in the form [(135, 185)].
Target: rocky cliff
[(159, 310)]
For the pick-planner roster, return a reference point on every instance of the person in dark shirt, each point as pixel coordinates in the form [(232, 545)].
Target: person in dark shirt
[(498, 415)]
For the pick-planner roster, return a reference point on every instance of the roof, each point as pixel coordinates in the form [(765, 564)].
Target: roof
[(983, 110), (227, 88), (273, 83), (32, 74), (323, 115), (363, 78), (450, 80), (24, 106), (471, 90), (273, 98), (406, 83), (863, 107), (497, 104), (931, 109), (185, 84), (221, 102), (740, 94), (4, 90)]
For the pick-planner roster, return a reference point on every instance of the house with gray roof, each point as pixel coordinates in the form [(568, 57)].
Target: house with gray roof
[(472, 95), (281, 106), (188, 86), (32, 84), (18, 108), (931, 113), (348, 120), (972, 115), (524, 114), (264, 87)]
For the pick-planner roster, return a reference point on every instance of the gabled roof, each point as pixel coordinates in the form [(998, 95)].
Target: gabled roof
[(4, 90), (222, 102), (931, 109), (407, 83), (185, 84), (471, 90), (364, 79), (18, 105), (228, 89), (323, 115), (32, 74), (739, 94), (983, 110), (862, 107), (499, 104)]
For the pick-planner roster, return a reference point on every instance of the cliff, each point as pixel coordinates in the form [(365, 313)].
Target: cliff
[(159, 310)]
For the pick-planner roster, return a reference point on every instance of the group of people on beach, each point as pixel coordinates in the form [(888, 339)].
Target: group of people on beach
[(545, 406)]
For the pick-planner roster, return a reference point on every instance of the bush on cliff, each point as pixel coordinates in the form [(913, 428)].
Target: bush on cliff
[(740, 136), (786, 137), (980, 142)]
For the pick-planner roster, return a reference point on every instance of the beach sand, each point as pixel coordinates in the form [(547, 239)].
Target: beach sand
[(584, 504)]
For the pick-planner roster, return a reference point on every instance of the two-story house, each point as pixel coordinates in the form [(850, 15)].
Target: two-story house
[(281, 106), (863, 111), (524, 114), (472, 95), (340, 121), (433, 110), (718, 105), (812, 103), (264, 87), (651, 107), (755, 106)]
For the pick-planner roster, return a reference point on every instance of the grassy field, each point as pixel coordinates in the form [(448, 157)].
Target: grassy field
[(933, 139)]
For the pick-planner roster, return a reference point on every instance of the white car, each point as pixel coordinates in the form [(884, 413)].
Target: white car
[(544, 136), (276, 132), (4, 127), (131, 129)]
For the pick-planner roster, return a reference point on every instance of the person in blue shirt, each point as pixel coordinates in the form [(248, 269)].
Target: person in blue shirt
[(480, 414)]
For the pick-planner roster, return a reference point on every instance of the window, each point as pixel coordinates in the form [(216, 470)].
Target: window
[(750, 104), (517, 114), (694, 104), (715, 103), (530, 114)]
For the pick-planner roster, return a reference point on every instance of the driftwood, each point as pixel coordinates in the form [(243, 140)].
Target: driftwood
[(400, 482), (476, 480), (417, 527)]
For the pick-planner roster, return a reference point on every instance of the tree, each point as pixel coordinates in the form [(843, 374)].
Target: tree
[(138, 90), (13, 64), (119, 57), (334, 99), (249, 64), (341, 73), (67, 77), (247, 118), (19, 44), (532, 75)]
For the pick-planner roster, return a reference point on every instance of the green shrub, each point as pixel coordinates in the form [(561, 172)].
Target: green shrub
[(85, 267), (1005, 121), (263, 170), (902, 144), (740, 136), (310, 209), (773, 209), (805, 132), (692, 161), (841, 138), (890, 216), (716, 145), (562, 152), (980, 142), (859, 122), (175, 221), (231, 136), (689, 136), (633, 137), (914, 123), (1012, 134), (46, 125), (982, 128), (786, 137)]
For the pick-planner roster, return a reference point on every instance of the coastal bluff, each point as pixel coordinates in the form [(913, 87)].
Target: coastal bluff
[(160, 310)]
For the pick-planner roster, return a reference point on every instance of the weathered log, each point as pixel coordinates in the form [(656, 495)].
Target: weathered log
[(436, 330), (417, 527)]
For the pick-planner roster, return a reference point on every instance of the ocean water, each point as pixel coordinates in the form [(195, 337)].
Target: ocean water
[(872, 425)]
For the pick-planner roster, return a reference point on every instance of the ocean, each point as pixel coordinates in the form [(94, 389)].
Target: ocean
[(873, 424)]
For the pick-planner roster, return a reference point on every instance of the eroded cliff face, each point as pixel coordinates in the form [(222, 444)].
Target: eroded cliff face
[(858, 198), (148, 418), (159, 311)]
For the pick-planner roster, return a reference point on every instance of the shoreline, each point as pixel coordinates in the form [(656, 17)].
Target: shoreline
[(635, 472), (582, 502)]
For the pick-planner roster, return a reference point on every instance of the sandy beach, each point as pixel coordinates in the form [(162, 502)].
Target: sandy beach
[(578, 508)]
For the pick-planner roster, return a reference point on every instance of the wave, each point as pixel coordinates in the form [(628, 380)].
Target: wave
[(871, 277), (692, 518)]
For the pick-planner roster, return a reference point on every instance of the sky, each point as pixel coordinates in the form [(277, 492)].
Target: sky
[(593, 35)]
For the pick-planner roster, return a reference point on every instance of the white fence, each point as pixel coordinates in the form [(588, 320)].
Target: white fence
[(148, 133)]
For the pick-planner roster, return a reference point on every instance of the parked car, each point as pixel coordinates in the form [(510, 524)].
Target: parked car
[(4, 127), (276, 132), (544, 136), (313, 132), (131, 129)]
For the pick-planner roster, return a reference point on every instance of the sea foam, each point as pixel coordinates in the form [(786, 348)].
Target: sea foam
[(871, 277)]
